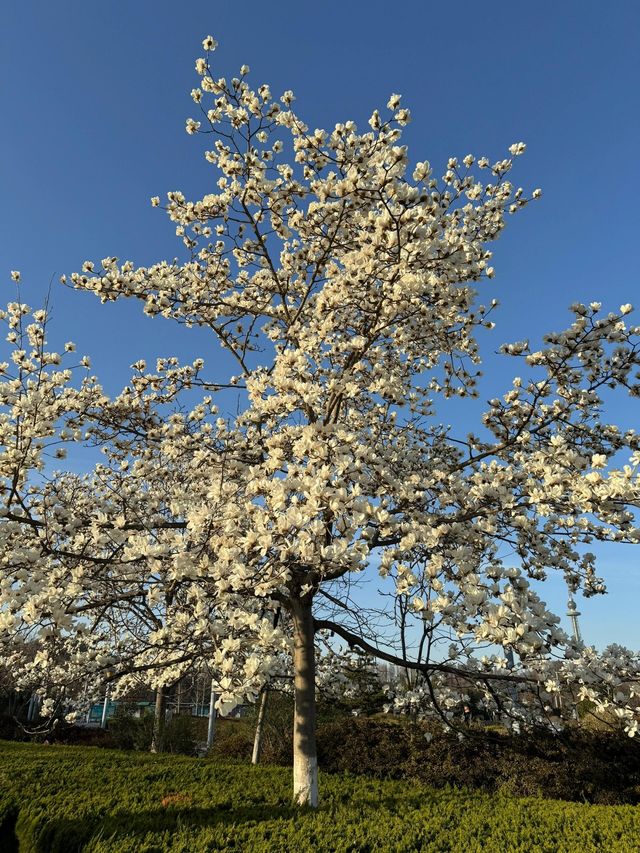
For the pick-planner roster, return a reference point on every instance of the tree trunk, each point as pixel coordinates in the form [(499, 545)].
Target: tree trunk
[(157, 738), (211, 728), (305, 760), (262, 714)]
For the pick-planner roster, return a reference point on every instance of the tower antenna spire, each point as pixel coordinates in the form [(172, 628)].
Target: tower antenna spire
[(573, 613)]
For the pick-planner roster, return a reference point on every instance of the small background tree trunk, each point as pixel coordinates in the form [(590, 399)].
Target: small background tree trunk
[(211, 728), (157, 738), (305, 759), (262, 714)]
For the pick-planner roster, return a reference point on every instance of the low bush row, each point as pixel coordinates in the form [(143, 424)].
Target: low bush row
[(579, 765), (182, 733), (56, 799)]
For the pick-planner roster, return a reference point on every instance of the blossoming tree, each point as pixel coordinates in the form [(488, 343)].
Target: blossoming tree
[(342, 281)]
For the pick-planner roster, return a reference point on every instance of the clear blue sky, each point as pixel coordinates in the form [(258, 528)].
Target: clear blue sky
[(94, 98)]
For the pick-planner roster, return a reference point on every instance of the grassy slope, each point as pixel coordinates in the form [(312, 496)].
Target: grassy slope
[(62, 799)]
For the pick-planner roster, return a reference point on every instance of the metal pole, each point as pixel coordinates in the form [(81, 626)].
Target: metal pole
[(211, 730), (103, 721)]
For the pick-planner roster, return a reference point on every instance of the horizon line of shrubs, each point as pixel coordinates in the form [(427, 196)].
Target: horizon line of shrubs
[(577, 764)]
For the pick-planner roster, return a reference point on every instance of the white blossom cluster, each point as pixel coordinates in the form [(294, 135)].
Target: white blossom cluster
[(548, 692)]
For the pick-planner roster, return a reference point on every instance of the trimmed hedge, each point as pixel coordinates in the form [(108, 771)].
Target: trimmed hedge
[(579, 765), (56, 799)]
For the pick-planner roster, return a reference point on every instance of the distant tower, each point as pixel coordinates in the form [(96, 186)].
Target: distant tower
[(573, 614)]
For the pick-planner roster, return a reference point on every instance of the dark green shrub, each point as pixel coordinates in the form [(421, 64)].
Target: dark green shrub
[(277, 740), (365, 747), (10, 729), (578, 765), (121, 727), (180, 735), (233, 741), (130, 732), (81, 736)]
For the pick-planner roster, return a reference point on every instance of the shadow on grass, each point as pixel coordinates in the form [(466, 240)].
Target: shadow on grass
[(8, 838), (64, 835)]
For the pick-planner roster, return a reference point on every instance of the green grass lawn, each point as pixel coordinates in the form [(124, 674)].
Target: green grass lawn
[(56, 799)]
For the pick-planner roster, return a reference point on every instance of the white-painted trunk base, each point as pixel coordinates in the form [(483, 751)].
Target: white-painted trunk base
[(305, 782)]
